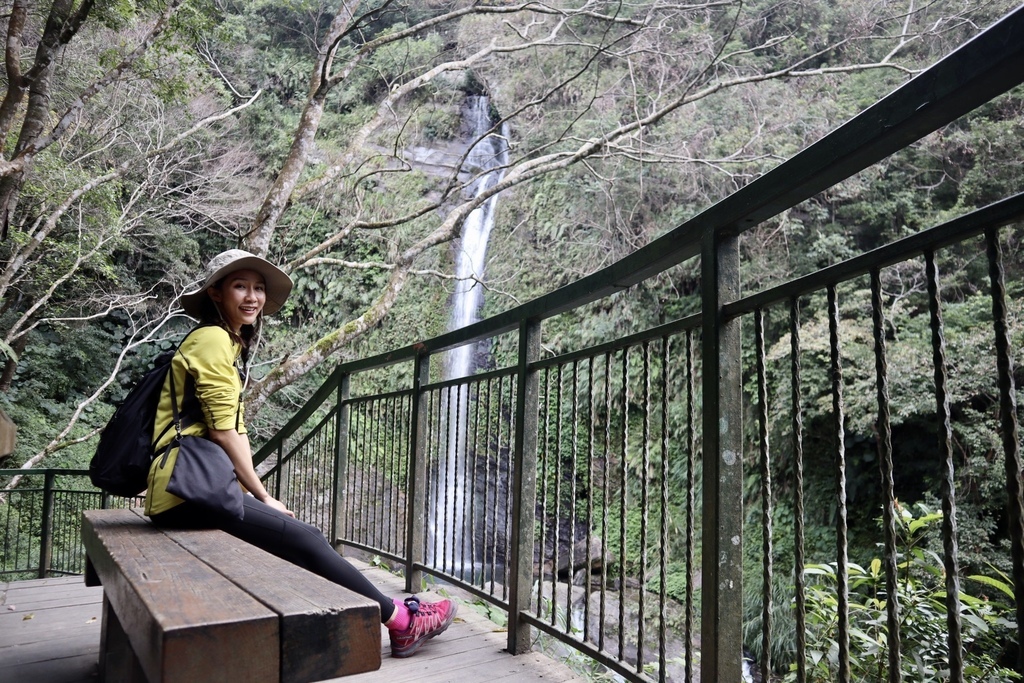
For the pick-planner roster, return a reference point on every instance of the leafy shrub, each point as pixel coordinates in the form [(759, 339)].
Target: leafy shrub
[(987, 624)]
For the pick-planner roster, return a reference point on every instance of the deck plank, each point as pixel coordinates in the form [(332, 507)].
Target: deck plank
[(60, 642)]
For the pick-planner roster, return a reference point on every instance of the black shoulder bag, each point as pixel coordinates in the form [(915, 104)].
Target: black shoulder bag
[(203, 473)]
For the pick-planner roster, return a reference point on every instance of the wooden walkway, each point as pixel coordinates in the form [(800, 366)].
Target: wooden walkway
[(50, 633)]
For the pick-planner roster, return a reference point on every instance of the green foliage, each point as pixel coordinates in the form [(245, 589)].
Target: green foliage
[(987, 621)]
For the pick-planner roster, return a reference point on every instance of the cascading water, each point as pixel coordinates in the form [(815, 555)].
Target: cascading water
[(485, 163), (487, 159)]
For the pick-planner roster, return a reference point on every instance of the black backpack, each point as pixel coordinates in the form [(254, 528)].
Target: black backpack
[(121, 463)]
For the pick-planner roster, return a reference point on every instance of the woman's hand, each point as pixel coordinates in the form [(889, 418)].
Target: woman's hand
[(237, 447), (278, 505)]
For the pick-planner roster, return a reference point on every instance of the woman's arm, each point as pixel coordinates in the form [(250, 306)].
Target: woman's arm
[(237, 447)]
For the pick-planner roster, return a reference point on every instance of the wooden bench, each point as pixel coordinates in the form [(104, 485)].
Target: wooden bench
[(194, 606)]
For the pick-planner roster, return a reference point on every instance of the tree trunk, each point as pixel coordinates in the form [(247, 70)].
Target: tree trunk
[(38, 112)]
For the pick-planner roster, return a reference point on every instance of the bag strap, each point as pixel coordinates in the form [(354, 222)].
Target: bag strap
[(176, 421)]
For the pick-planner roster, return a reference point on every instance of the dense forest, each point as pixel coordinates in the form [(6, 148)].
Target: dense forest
[(140, 136)]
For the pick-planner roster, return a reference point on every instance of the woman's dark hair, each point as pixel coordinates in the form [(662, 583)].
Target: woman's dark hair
[(209, 314)]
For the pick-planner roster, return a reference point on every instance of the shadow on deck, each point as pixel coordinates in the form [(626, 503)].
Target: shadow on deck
[(50, 633)]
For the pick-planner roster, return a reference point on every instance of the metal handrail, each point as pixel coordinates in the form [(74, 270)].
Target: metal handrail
[(989, 65), (392, 444)]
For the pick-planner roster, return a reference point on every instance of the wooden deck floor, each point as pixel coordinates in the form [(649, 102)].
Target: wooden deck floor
[(50, 633)]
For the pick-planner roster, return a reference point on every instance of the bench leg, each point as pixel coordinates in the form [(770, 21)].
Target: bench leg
[(91, 577), (118, 663)]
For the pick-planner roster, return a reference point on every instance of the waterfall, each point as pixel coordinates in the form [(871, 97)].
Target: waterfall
[(487, 159), (485, 163)]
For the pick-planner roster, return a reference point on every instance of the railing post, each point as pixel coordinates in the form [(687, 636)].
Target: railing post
[(416, 512), (722, 561), (1008, 428), (524, 488), (46, 535), (340, 456)]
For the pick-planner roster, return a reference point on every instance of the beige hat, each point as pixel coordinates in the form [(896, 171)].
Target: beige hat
[(278, 284)]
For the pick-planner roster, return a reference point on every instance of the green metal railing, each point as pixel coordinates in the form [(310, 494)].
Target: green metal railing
[(597, 495), (550, 487), (41, 521)]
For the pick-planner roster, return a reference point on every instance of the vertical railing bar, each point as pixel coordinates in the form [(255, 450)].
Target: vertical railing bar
[(344, 475), (301, 483), (380, 478), (508, 499), (557, 494), (471, 524), (524, 480), (438, 456), (839, 435), (46, 522), (691, 503), (950, 552), (317, 472), (622, 501), (388, 479), (444, 440), (1008, 428), (416, 473), (500, 436), (280, 470), (314, 479), (399, 481), (507, 507), (572, 493), (543, 490), (358, 501), (298, 483), (645, 469), (411, 436), (320, 443), (434, 471), (456, 436), (587, 587), (885, 464), (434, 464), (797, 429), (469, 471), (341, 433), (363, 463), (396, 433), (664, 542), (7, 530), (481, 453), (454, 474), (458, 544), (767, 565), (487, 486), (605, 509), (368, 465), (373, 472)]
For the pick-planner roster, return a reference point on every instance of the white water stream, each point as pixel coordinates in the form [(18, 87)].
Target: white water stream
[(487, 159), (486, 163)]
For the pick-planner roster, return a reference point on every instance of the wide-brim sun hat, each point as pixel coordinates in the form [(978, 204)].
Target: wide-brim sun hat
[(278, 284)]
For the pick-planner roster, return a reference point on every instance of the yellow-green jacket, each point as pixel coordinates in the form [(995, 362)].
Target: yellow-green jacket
[(207, 355)]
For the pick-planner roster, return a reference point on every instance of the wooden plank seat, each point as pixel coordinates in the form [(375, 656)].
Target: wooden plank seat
[(195, 606)]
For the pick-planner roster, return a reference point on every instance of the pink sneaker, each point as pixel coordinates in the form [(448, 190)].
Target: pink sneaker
[(428, 620)]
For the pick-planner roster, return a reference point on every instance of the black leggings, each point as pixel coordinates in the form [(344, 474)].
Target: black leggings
[(297, 542)]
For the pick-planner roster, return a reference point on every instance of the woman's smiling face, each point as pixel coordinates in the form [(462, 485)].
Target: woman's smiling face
[(240, 296)]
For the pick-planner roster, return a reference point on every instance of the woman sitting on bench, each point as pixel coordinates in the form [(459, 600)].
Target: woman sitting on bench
[(237, 289)]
